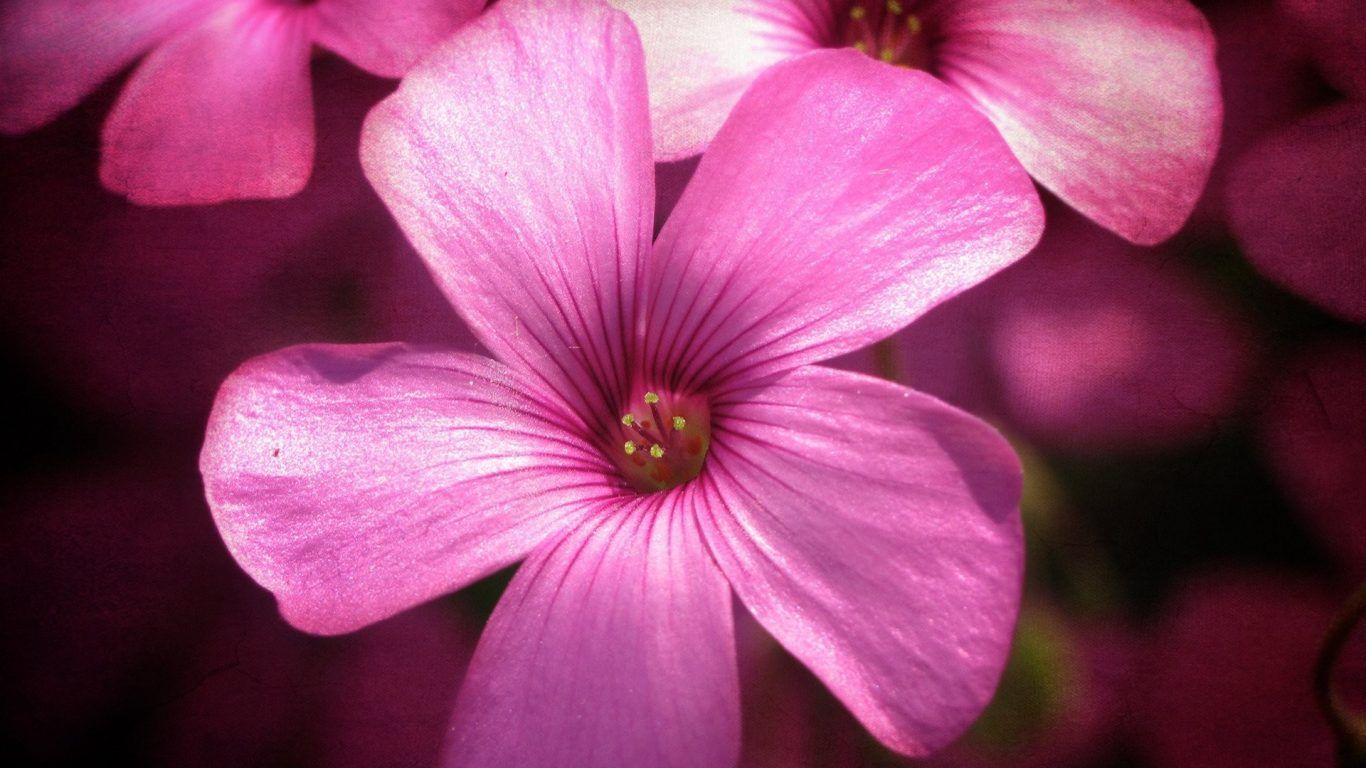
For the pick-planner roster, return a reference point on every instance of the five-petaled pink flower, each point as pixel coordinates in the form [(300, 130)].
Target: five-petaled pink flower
[(221, 109), (651, 434), (1111, 104)]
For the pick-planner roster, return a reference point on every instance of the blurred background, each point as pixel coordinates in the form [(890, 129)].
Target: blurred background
[(1190, 418)]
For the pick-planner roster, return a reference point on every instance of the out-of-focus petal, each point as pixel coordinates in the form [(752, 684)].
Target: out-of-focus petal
[(842, 199), (1337, 29), (1266, 79), (354, 482), (1314, 435), (1229, 682), (217, 113), (700, 55), (387, 37), (54, 52), (1295, 205), (1112, 104), (611, 647), (533, 233), (875, 532), (1099, 345)]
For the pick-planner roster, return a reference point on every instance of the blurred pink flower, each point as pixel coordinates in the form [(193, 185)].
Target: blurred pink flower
[(1296, 201), (1229, 680), (1111, 104), (1266, 78), (1313, 433), (221, 108), (650, 435), (1099, 345), (1088, 344)]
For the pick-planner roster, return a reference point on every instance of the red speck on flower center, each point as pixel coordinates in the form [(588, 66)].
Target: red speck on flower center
[(662, 440), (888, 31)]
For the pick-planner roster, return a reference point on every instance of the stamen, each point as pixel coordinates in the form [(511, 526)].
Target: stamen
[(630, 447), (680, 423), (656, 451), (888, 31), (651, 398), (628, 420), (666, 447)]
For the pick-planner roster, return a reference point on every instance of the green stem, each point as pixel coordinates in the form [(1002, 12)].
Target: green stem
[(1348, 727)]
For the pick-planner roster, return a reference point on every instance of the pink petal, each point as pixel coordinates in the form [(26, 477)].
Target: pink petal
[(1314, 435), (611, 647), (700, 56), (1295, 205), (54, 52), (842, 199), (386, 37), (217, 113), (533, 233), (1112, 104), (1337, 29), (875, 532), (1100, 345), (354, 482)]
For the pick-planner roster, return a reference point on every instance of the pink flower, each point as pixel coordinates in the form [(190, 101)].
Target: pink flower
[(1099, 345), (221, 107), (651, 434), (1111, 104), (1088, 344)]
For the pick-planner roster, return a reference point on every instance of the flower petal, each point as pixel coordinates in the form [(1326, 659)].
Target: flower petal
[(612, 647), (842, 199), (700, 55), (516, 158), (218, 113), (875, 532), (54, 52), (354, 482), (1295, 203), (385, 37), (1112, 104)]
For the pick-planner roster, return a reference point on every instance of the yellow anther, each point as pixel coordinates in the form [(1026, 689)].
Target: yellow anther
[(656, 451), (680, 423), (887, 55), (628, 420), (651, 398), (630, 447), (913, 24), (894, 7), (857, 12)]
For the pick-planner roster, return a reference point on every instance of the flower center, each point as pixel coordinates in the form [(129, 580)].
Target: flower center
[(887, 31), (664, 441)]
